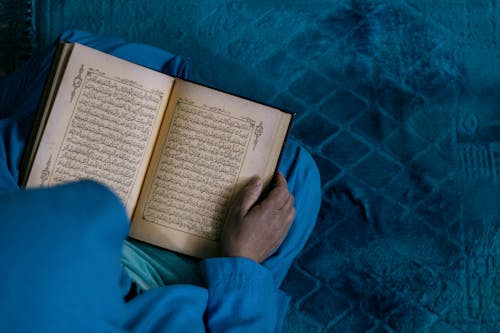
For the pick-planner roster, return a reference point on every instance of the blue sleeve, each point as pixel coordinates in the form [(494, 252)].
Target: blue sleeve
[(172, 309), (60, 259), (242, 296)]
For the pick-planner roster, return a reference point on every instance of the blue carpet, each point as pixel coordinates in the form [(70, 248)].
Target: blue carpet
[(16, 33), (399, 103)]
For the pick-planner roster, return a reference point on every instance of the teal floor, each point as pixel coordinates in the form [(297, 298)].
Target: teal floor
[(399, 103)]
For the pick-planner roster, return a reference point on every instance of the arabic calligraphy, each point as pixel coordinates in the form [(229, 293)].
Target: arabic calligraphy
[(198, 168), (108, 133)]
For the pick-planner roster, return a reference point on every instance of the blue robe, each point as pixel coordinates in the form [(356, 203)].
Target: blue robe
[(65, 263)]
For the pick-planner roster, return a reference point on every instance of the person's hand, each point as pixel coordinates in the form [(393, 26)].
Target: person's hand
[(254, 231)]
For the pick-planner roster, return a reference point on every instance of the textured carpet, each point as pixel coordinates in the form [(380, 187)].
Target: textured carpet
[(399, 103), (17, 37)]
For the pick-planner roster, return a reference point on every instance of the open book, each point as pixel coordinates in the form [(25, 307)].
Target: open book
[(175, 152)]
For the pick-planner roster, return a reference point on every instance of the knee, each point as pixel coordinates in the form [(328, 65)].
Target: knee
[(309, 170), (302, 175), (74, 35), (298, 165)]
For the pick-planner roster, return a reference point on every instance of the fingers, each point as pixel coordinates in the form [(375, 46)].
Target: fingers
[(254, 231), (279, 195), (288, 209), (288, 216), (281, 180), (250, 194)]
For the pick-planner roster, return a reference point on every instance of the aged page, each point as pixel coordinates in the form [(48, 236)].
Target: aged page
[(103, 124), (210, 144)]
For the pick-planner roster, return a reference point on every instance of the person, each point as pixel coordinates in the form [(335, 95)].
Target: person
[(65, 262)]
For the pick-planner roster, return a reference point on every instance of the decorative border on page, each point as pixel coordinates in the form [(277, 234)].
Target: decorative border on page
[(46, 172), (259, 130), (77, 82)]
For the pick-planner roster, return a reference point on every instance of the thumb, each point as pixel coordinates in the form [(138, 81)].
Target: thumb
[(250, 194)]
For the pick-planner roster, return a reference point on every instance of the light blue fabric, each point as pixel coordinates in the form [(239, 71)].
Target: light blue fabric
[(60, 248)]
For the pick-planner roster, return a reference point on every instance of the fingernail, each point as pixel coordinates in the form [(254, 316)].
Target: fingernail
[(257, 181)]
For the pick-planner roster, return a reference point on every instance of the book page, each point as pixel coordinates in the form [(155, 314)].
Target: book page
[(103, 124), (210, 145)]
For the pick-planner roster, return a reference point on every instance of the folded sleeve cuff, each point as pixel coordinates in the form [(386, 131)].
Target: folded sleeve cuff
[(235, 273), (242, 296)]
